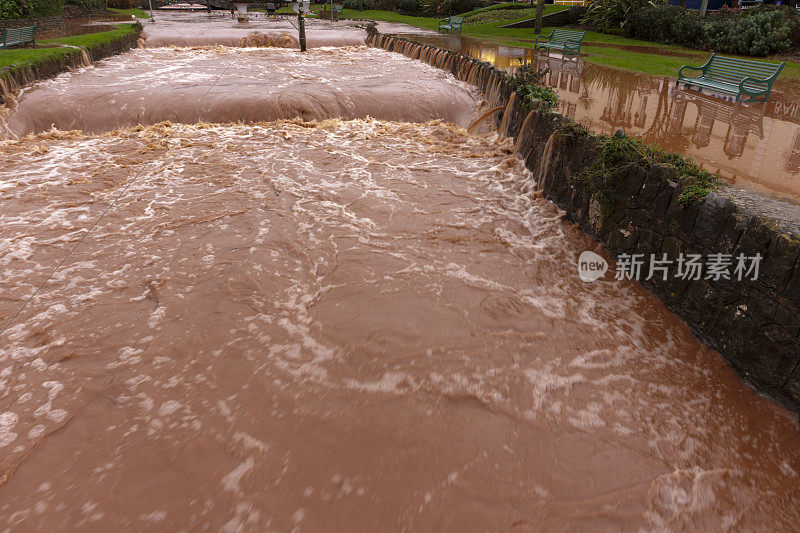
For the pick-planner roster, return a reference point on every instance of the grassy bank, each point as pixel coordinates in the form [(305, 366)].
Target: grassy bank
[(609, 50), (138, 13), (22, 57)]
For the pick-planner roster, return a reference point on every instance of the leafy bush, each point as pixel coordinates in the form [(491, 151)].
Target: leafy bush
[(446, 8), (612, 16), (755, 32), (87, 3), (669, 25), (10, 9), (355, 4), (42, 8), (758, 35), (528, 85), (122, 4)]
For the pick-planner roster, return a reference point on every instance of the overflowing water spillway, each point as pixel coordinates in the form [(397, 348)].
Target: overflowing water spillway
[(309, 299)]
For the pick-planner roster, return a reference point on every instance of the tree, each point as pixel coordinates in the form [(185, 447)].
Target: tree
[(539, 13)]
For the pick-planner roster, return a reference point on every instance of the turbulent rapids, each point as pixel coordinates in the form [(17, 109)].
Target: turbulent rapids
[(255, 84), (345, 323)]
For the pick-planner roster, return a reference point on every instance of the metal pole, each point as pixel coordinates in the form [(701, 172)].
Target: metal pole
[(302, 26), (703, 8), (152, 17)]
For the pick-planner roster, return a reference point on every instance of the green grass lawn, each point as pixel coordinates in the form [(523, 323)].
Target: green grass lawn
[(389, 16), (138, 13), (17, 57), (21, 56)]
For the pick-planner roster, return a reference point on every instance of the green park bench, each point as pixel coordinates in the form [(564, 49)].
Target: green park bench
[(451, 24), (734, 76), (15, 36), (568, 41)]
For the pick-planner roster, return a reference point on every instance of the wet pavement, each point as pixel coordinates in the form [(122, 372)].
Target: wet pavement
[(753, 146), (337, 325)]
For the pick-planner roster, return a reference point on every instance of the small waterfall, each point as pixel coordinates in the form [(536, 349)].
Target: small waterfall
[(5, 92), (491, 82), (544, 163), (522, 131), (506, 114), (483, 117), (470, 73), (85, 59)]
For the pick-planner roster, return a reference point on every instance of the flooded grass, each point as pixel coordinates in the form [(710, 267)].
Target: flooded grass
[(136, 12)]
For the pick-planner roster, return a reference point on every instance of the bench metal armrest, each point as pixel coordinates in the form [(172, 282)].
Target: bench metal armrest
[(751, 79), (680, 72)]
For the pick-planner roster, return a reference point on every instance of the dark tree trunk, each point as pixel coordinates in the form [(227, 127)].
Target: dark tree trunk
[(539, 12)]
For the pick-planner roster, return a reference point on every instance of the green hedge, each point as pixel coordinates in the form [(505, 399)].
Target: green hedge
[(87, 3), (10, 9), (755, 32), (31, 9)]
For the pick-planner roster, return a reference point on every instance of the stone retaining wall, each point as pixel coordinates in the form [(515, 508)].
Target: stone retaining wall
[(754, 324)]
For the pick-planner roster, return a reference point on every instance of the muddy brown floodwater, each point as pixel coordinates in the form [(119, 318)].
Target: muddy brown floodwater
[(254, 84), (344, 325)]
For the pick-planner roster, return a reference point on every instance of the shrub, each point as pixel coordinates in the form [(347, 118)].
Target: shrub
[(122, 4), (612, 16), (410, 7), (761, 34), (446, 8), (355, 4), (755, 32), (42, 8), (669, 25), (87, 4), (528, 85), (10, 9)]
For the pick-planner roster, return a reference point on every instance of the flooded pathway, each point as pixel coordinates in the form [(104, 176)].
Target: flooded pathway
[(340, 325), (753, 146)]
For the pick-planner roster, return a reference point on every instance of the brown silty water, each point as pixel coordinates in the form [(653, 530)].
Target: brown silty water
[(753, 146), (344, 325)]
